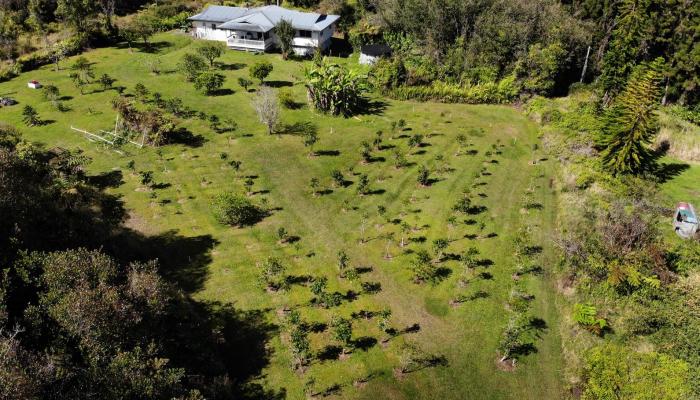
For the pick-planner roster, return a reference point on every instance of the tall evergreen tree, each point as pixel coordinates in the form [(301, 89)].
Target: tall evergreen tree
[(631, 122)]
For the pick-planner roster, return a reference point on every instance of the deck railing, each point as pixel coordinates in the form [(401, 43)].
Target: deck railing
[(256, 44)]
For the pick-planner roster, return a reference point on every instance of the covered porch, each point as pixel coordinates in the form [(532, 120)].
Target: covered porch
[(246, 36)]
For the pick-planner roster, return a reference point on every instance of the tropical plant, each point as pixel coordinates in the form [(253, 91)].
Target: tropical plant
[(285, 33), (335, 89), (586, 315)]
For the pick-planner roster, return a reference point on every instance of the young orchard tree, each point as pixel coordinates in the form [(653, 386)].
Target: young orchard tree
[(30, 116), (248, 184), (235, 210), (343, 261), (469, 258), (53, 95), (405, 230), (363, 185), (146, 178), (260, 71), (383, 324), (342, 332), (423, 268), (84, 69), (338, 178), (439, 247), (191, 65), (299, 345), (144, 26), (318, 286), (399, 159), (366, 152), (462, 142), (282, 235), (285, 33), (415, 140), (209, 82), (272, 274), (106, 81), (211, 50), (244, 83), (377, 142), (268, 108), (310, 138), (313, 185), (423, 177)]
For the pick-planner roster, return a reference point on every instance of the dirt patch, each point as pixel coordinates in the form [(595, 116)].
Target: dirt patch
[(505, 365)]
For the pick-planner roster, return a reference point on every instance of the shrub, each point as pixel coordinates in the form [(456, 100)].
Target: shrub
[(490, 92), (236, 210), (191, 65), (287, 99), (260, 70), (209, 82)]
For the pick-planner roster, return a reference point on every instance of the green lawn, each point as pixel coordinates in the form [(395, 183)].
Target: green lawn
[(467, 335)]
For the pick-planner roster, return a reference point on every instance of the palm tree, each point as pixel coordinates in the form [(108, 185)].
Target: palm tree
[(285, 33)]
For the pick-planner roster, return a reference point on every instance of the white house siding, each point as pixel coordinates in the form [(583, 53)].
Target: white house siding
[(367, 59), (302, 46), (203, 30)]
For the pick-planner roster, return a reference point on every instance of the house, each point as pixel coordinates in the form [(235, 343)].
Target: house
[(370, 53), (253, 29)]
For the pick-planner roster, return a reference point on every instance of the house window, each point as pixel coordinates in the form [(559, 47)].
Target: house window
[(213, 26), (305, 34)]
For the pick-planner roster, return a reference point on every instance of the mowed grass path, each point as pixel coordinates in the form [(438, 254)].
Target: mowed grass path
[(467, 335)]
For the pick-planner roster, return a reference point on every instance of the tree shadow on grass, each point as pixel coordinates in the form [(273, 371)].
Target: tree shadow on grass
[(231, 67), (368, 106), (186, 137), (331, 153), (667, 171), (223, 92), (330, 352), (111, 179), (278, 84), (299, 128)]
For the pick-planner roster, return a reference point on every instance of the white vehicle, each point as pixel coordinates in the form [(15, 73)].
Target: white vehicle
[(685, 221)]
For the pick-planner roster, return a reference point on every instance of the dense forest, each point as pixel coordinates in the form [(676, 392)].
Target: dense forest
[(86, 311)]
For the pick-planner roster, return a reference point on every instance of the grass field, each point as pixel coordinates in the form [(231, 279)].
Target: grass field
[(188, 175)]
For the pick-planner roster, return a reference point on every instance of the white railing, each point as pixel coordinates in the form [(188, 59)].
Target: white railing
[(255, 44)]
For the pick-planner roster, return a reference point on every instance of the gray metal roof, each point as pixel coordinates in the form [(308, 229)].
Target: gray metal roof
[(263, 19), (219, 14)]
